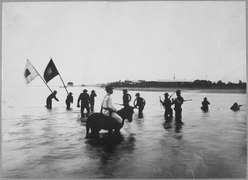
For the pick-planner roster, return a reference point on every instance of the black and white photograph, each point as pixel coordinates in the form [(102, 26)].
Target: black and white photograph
[(124, 90)]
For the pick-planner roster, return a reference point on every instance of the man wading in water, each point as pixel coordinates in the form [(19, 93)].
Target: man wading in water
[(84, 98), (49, 99), (205, 104), (178, 106), (68, 101), (126, 98), (92, 100), (139, 102), (167, 106), (107, 105)]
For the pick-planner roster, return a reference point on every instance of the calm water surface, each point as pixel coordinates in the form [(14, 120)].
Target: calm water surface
[(41, 143)]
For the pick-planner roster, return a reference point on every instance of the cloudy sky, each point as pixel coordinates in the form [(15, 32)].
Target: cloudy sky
[(97, 42)]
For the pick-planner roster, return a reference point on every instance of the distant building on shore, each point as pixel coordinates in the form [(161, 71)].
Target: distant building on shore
[(173, 83), (70, 84)]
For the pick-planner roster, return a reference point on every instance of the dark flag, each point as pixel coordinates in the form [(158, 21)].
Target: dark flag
[(50, 71)]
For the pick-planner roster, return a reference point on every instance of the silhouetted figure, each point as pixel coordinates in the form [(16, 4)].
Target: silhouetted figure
[(205, 104), (49, 99), (68, 101), (139, 102), (126, 98), (167, 106), (92, 100), (178, 101), (107, 105), (235, 107), (84, 98)]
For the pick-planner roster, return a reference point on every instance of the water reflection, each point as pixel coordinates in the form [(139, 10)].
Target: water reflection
[(108, 143), (177, 126), (139, 122), (52, 144), (205, 114), (111, 151)]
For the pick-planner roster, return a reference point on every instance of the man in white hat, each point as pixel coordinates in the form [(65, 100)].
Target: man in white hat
[(107, 105)]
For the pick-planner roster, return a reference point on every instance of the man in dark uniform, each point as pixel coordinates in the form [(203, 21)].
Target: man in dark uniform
[(140, 102), (84, 98), (235, 107), (167, 106), (49, 99), (92, 100), (178, 106), (69, 100), (205, 104), (126, 98)]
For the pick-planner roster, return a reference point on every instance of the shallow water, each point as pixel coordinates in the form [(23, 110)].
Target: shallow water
[(41, 143)]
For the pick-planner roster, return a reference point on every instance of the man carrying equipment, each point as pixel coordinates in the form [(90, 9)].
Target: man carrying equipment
[(140, 102)]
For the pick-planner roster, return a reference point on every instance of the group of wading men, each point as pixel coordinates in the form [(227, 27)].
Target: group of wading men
[(86, 101), (167, 103), (108, 109)]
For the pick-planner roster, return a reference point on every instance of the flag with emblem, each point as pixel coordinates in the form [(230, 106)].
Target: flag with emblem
[(50, 71), (30, 72)]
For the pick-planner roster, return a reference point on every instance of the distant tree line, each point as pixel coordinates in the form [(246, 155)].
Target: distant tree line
[(195, 84)]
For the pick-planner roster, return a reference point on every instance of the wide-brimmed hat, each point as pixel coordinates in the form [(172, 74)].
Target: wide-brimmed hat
[(124, 90), (166, 94), (85, 90), (137, 94), (178, 91)]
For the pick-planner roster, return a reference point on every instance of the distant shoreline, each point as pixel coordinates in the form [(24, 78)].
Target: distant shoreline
[(232, 91), (173, 89)]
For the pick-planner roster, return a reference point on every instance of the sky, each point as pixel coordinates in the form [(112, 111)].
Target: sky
[(99, 42)]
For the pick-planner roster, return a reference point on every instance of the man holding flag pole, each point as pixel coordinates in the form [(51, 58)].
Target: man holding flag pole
[(49, 73), (31, 73), (49, 99)]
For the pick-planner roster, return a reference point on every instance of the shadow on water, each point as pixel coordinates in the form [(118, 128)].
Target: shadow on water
[(112, 153), (108, 143), (106, 140), (168, 124)]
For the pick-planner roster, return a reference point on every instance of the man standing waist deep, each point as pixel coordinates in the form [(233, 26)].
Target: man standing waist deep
[(92, 100), (49, 99), (126, 98), (84, 98), (178, 106)]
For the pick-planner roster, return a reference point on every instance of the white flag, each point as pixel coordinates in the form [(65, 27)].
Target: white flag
[(30, 73)]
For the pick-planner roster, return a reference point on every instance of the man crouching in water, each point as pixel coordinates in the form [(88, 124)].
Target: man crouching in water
[(107, 105)]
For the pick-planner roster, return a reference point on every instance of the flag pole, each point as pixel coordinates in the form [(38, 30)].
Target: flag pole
[(63, 83), (59, 76), (40, 77)]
